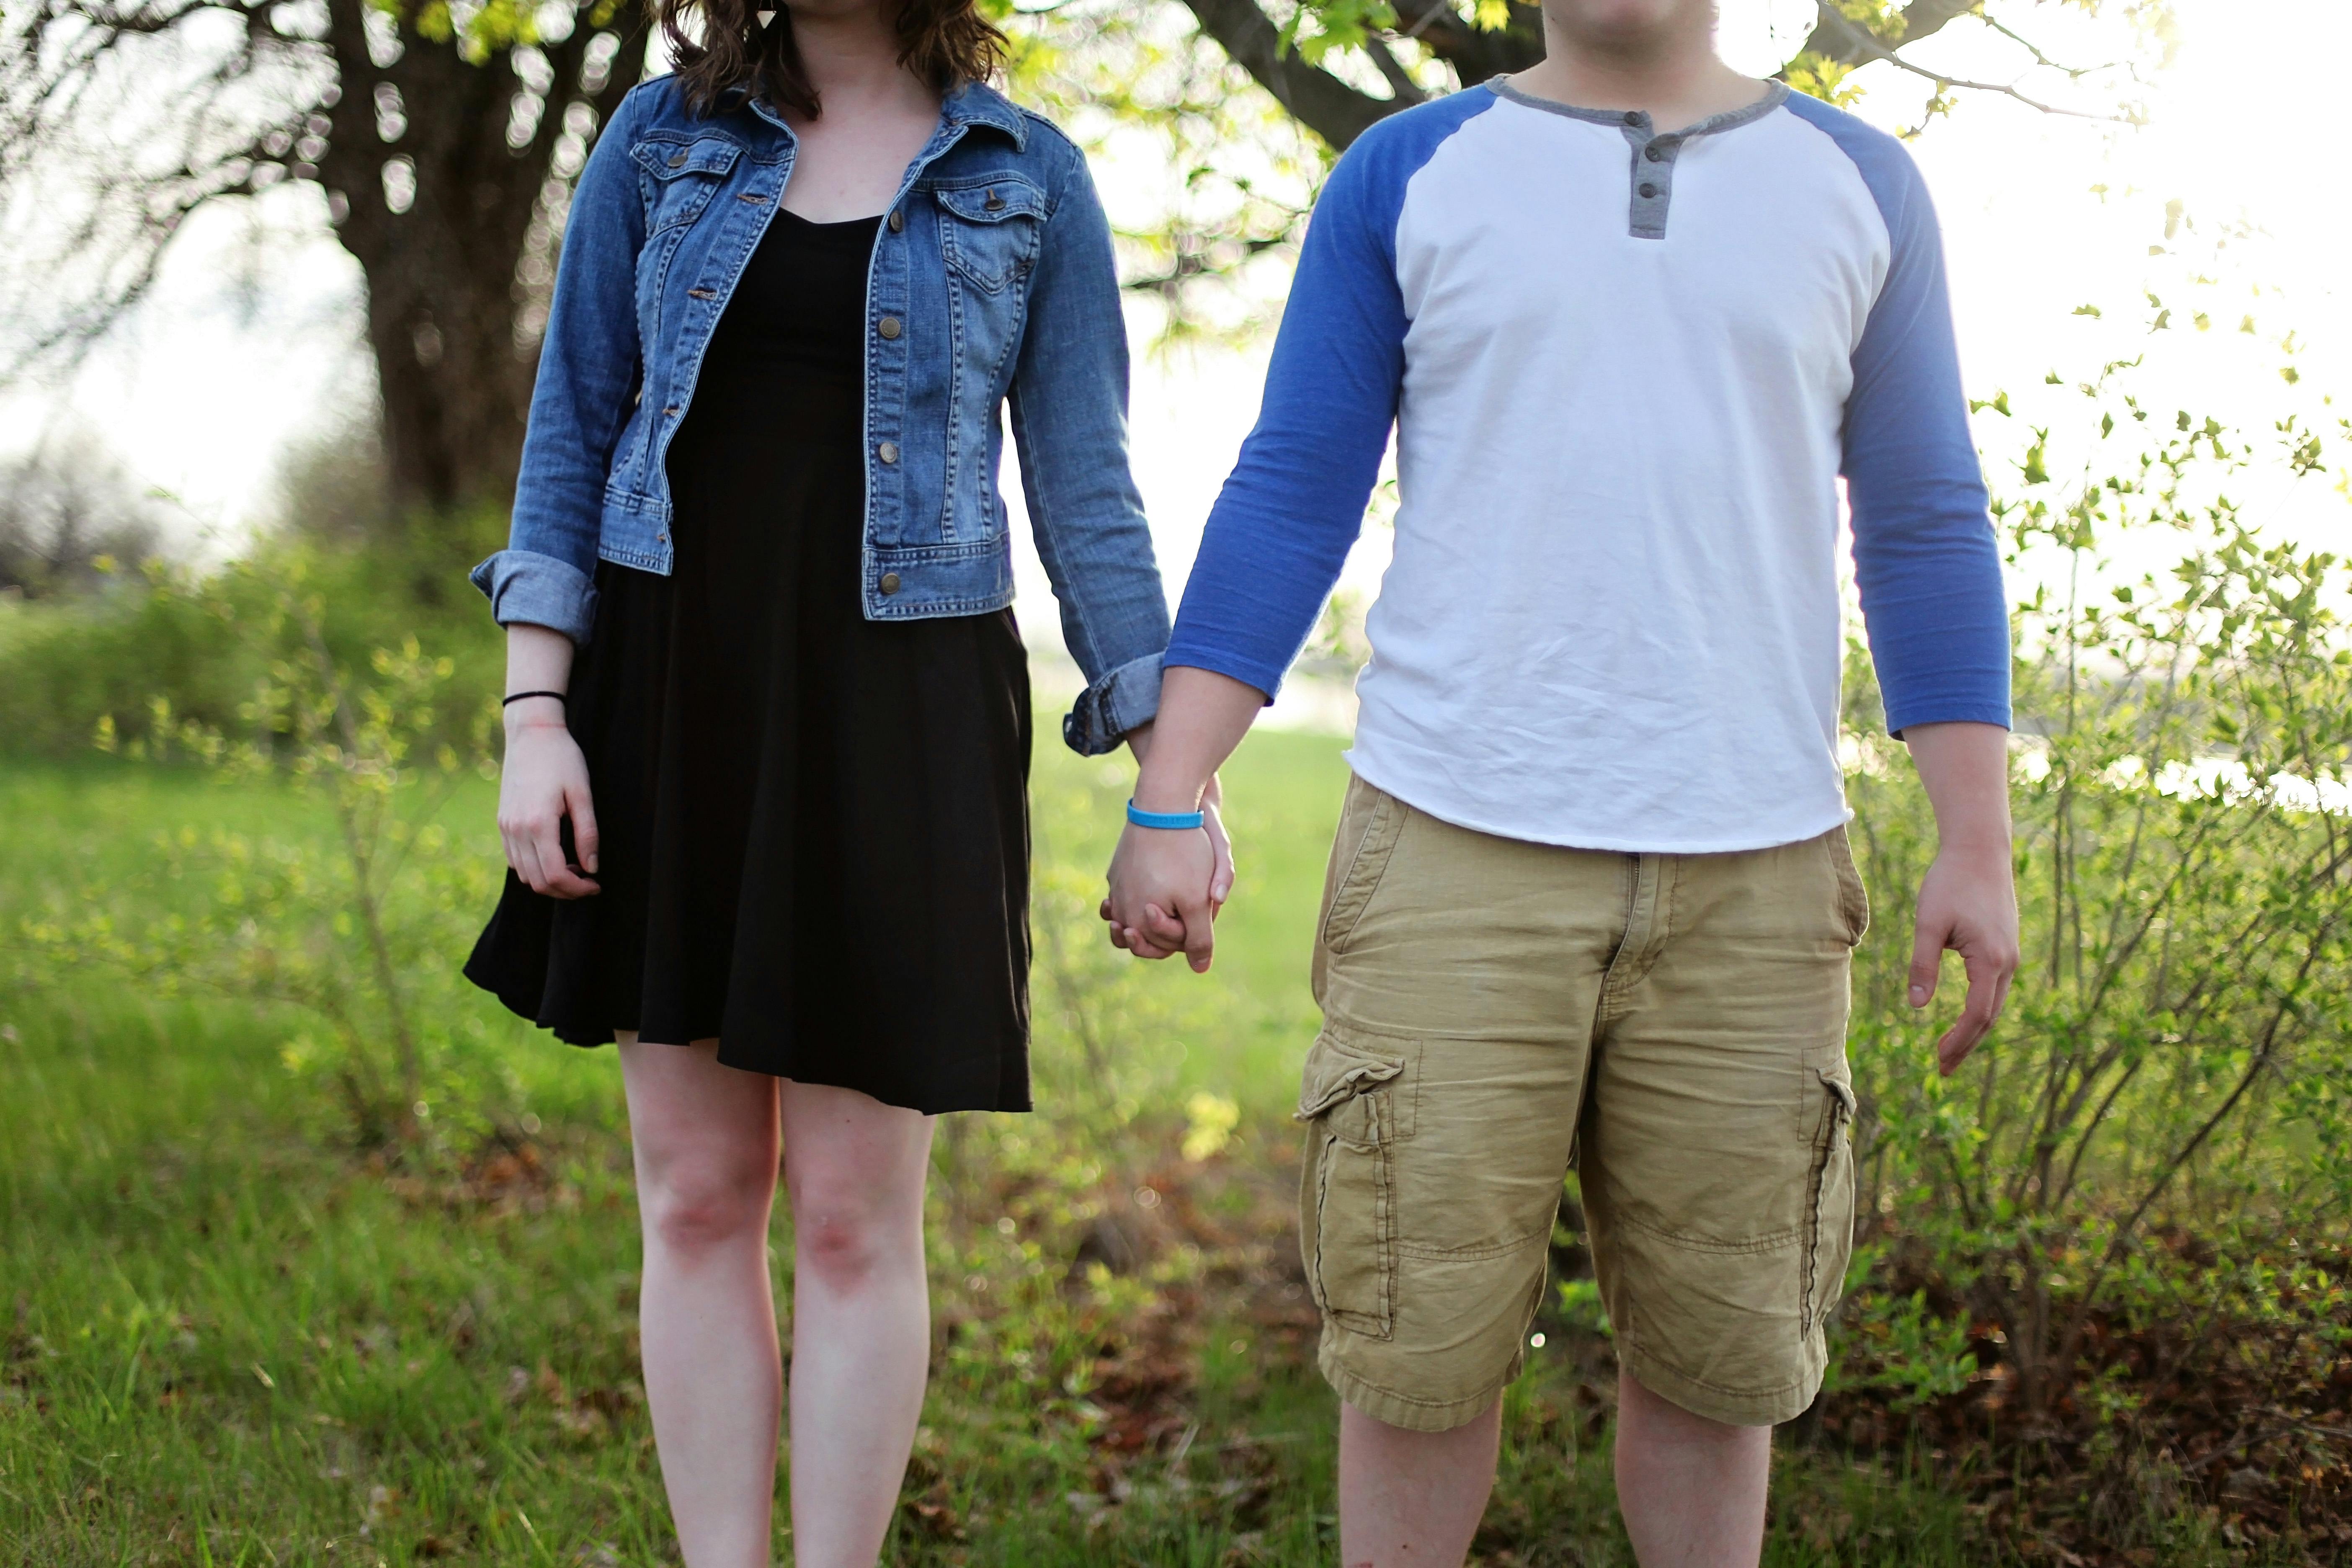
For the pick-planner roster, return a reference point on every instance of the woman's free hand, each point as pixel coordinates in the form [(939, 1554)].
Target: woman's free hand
[(544, 781), (1167, 884)]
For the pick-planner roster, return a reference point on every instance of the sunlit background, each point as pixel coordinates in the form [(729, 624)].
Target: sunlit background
[(2222, 214)]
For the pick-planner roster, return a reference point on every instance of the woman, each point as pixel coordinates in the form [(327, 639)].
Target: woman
[(770, 831)]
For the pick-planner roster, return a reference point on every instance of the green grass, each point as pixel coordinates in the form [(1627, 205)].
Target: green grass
[(230, 1339)]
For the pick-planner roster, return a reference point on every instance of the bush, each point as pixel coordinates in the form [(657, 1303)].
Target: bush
[(351, 930), (68, 665), (2163, 1112)]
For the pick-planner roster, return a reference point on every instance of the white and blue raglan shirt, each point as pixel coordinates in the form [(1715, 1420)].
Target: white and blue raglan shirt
[(1626, 371)]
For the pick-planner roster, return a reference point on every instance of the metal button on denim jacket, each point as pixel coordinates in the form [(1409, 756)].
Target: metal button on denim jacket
[(992, 281)]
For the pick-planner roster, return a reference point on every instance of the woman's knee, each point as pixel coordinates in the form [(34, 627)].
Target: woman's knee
[(845, 1241), (697, 1202)]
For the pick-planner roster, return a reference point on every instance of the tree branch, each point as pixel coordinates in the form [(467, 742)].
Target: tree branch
[(1319, 101), (1867, 47)]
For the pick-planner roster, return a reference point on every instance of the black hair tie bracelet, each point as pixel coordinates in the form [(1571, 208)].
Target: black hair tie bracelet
[(521, 695)]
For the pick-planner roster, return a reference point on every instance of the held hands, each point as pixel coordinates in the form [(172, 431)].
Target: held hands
[(1167, 886), (545, 780)]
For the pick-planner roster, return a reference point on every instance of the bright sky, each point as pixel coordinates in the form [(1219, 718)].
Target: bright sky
[(232, 361)]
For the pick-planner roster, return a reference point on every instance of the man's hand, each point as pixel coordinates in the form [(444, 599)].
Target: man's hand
[(1162, 899), (1166, 886), (1968, 900), (1966, 903)]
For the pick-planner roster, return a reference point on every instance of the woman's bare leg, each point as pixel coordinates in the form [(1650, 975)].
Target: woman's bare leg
[(705, 1139), (861, 1315)]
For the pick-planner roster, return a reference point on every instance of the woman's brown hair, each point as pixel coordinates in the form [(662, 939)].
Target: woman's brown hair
[(944, 42)]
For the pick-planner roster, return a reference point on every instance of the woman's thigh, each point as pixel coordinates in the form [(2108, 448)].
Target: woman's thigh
[(852, 1161), (695, 1121)]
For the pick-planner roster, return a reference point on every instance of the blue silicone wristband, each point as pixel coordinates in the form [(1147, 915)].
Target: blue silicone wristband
[(1164, 818)]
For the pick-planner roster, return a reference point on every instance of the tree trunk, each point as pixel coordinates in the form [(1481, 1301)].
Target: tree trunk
[(451, 281)]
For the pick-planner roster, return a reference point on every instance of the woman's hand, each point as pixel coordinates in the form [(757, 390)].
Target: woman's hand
[(1167, 886), (545, 780)]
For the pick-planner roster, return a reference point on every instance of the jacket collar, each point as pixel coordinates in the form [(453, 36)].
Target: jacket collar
[(977, 103), (973, 103)]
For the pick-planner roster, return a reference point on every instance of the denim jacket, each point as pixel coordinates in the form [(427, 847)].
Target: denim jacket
[(992, 278)]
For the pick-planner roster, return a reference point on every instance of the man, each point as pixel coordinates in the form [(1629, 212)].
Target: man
[(1632, 314)]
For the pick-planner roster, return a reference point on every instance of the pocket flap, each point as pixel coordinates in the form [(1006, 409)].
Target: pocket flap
[(1843, 1092), (993, 202), (666, 160), (1339, 1069)]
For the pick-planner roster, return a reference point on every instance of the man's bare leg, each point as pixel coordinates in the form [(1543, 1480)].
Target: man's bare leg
[(1413, 1500), (1691, 1489)]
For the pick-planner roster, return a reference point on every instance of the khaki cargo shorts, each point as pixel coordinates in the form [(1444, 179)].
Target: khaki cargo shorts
[(1676, 1023)]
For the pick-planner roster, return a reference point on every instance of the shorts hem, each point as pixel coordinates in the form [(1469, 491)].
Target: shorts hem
[(1385, 1404), (1765, 1407)]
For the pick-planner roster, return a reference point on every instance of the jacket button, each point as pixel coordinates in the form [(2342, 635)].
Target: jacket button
[(889, 584), (677, 159), (887, 451), (890, 327), (898, 220)]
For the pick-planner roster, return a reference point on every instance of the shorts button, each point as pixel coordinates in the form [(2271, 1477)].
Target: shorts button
[(889, 326), (887, 451), (889, 584)]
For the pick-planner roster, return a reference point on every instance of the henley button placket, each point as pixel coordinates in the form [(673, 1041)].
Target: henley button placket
[(1654, 185)]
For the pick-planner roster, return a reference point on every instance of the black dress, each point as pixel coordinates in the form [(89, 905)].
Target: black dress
[(814, 827)]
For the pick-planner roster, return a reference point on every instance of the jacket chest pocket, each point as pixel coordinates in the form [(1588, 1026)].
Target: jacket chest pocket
[(680, 176), (989, 233)]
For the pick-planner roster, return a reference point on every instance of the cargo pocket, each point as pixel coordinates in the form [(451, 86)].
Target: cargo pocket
[(1351, 1098), (1829, 1204)]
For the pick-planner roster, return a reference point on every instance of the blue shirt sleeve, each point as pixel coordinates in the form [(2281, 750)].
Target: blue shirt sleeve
[(1295, 502), (1925, 556)]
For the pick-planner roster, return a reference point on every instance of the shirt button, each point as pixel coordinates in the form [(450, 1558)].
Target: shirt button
[(1633, 117), (1652, 154), (887, 451), (889, 327), (898, 220), (1648, 190), (889, 584)]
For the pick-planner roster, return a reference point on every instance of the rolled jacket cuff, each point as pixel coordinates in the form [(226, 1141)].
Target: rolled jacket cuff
[(540, 591), (1122, 699)]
